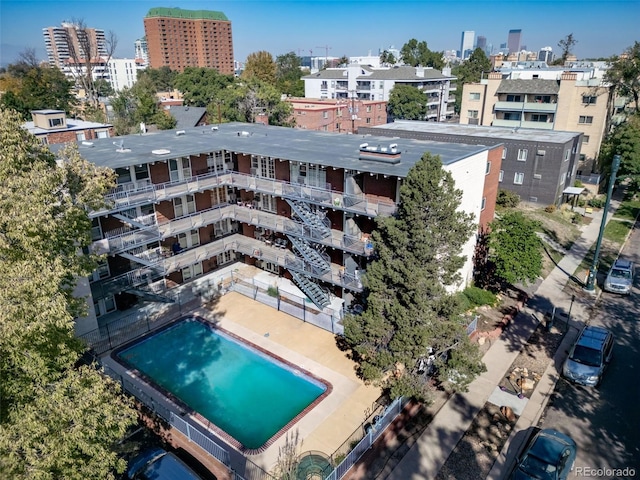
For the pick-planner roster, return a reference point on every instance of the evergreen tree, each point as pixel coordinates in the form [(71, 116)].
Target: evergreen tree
[(409, 314)]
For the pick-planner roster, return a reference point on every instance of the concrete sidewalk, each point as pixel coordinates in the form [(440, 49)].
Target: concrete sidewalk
[(427, 456)]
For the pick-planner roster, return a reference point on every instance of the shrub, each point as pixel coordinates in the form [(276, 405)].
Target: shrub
[(578, 184), (550, 208), (507, 199), (272, 291), (478, 297), (596, 202)]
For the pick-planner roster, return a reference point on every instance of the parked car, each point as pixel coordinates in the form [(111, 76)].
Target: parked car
[(620, 277), (158, 464), (589, 356), (547, 454)]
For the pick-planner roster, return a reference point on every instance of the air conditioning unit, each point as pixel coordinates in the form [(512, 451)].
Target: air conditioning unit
[(541, 153)]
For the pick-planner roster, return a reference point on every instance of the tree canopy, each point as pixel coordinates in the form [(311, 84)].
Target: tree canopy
[(566, 47), (470, 71), (289, 75), (28, 86), (623, 141), (161, 78), (387, 58), (624, 75), (407, 103), (514, 248), (260, 66), (409, 314), (417, 53), (57, 420)]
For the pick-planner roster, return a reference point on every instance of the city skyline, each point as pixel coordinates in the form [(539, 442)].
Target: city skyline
[(336, 28)]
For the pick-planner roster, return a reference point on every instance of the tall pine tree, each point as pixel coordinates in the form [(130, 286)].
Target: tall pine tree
[(409, 312)]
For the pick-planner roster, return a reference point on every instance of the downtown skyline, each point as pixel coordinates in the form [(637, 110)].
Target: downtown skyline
[(336, 28)]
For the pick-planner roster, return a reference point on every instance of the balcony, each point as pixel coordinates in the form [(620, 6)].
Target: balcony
[(522, 124), (526, 107)]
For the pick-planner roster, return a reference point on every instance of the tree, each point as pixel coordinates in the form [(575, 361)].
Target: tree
[(566, 46), (409, 314), (416, 53), (57, 420), (201, 86), (515, 249), (623, 141), (470, 71), (407, 103), (161, 78), (260, 66), (29, 86), (343, 61), (387, 58), (164, 121), (624, 75), (289, 75), (85, 55)]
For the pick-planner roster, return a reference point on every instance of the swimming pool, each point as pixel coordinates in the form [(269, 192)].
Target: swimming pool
[(242, 390)]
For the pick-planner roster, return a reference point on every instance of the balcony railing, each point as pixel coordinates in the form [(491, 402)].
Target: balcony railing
[(526, 107), (522, 124)]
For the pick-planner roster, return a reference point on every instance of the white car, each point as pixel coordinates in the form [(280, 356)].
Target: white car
[(620, 277)]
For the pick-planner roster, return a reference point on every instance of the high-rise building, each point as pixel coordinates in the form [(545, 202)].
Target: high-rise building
[(466, 43), (546, 55), (179, 38), (71, 41), (482, 43), (514, 40), (142, 51)]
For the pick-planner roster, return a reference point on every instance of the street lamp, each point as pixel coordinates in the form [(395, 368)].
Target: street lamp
[(593, 271)]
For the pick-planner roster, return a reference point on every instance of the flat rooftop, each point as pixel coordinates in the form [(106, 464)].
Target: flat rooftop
[(319, 148), (501, 134)]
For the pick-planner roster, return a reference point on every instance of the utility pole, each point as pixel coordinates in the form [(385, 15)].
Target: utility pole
[(593, 271)]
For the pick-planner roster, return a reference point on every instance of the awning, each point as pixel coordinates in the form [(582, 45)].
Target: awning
[(573, 190)]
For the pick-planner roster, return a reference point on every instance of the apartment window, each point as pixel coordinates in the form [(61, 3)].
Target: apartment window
[(488, 169), (191, 271), (501, 176), (536, 117), (368, 120), (325, 114), (141, 171), (514, 98), (323, 85), (518, 178), (504, 153), (511, 115), (542, 98), (522, 154), (55, 122), (184, 205), (224, 258), (381, 86), (124, 175), (472, 113), (80, 136), (474, 96), (585, 119), (484, 203), (589, 99), (585, 139)]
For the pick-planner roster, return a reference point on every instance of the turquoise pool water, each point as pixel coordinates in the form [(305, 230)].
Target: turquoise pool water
[(242, 391)]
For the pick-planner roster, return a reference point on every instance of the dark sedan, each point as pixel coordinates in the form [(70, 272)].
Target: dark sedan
[(547, 455)]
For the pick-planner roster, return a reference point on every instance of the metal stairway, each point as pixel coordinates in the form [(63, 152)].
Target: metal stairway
[(315, 292), (319, 223), (318, 260)]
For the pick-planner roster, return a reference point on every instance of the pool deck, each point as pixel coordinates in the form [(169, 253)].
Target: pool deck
[(329, 424)]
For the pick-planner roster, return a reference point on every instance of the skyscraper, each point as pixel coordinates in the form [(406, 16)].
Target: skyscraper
[(514, 40), (69, 42), (179, 38), (142, 51), (546, 55), (466, 43), (481, 43)]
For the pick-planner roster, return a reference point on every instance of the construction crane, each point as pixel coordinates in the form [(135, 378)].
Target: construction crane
[(326, 53)]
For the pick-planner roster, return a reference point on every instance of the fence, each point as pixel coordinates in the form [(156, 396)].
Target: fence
[(288, 302)]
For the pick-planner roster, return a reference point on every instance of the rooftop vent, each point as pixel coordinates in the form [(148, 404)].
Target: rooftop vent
[(180, 132), (87, 144), (243, 133), (161, 151), (214, 128), (121, 148), (378, 153)]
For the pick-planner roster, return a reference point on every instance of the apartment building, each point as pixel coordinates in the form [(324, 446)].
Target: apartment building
[(123, 72), (339, 115), (297, 203), (53, 127), (538, 166), (178, 38), (65, 43), (363, 82), (567, 99)]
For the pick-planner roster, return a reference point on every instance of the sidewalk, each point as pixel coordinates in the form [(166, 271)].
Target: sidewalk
[(427, 456)]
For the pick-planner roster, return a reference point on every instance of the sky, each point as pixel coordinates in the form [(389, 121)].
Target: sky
[(343, 27)]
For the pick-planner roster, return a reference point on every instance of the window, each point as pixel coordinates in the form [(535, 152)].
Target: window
[(55, 122), (536, 117), (474, 96), (368, 108), (511, 115), (80, 136), (504, 153), (585, 119), (124, 175), (566, 155), (484, 203), (585, 139), (325, 114), (191, 271), (501, 176), (518, 178), (141, 171), (184, 205), (472, 113), (589, 99), (514, 98), (542, 98), (224, 258), (522, 154), (368, 119), (488, 169), (102, 133)]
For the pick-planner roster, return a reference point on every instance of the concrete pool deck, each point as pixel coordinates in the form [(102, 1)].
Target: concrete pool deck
[(329, 424)]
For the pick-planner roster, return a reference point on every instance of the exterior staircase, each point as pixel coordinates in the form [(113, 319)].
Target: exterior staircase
[(318, 260), (315, 292), (319, 223)]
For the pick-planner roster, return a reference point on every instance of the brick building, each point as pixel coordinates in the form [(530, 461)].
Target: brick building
[(178, 38), (53, 126), (339, 115)]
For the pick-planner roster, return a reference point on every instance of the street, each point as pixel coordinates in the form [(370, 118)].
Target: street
[(605, 422)]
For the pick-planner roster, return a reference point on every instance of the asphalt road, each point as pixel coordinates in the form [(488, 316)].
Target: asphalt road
[(605, 422)]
